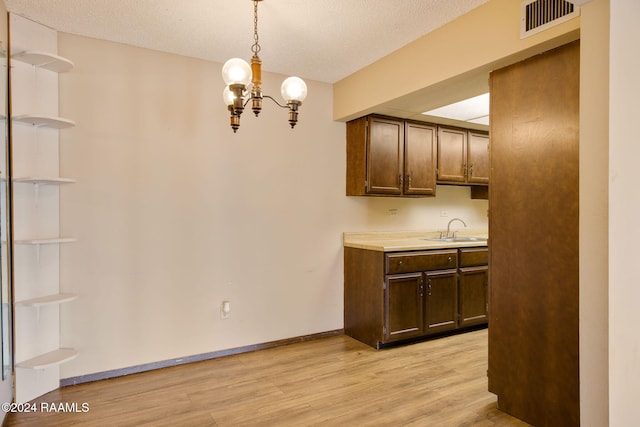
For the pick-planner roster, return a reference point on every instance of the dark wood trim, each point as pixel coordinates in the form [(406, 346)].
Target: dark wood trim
[(534, 340), (195, 358)]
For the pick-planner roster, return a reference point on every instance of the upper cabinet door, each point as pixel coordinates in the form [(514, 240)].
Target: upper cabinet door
[(420, 159), (452, 154), (478, 158), (385, 144)]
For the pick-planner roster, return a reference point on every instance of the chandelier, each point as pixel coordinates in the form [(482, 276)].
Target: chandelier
[(244, 84)]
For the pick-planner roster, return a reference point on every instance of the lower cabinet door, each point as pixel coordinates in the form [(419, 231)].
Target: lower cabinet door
[(473, 295), (403, 305), (441, 302)]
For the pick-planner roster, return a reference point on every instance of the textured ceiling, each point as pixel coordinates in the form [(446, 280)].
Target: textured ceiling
[(323, 40)]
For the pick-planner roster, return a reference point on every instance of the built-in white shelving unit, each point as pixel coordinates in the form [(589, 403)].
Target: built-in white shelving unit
[(34, 69)]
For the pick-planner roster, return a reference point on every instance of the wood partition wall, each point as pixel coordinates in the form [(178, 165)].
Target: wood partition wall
[(533, 228)]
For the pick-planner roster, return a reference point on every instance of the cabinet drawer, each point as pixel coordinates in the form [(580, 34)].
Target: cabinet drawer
[(470, 257), (407, 262)]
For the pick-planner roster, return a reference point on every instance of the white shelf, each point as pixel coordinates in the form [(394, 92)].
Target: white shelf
[(44, 121), (52, 358), (44, 181), (44, 60), (49, 241), (48, 300)]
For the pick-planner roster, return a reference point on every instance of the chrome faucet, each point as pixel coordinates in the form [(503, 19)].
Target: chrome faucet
[(449, 225)]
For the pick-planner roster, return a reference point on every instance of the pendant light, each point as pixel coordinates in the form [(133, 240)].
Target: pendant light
[(244, 84)]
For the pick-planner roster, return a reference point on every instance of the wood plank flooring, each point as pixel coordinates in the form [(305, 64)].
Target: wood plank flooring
[(335, 381)]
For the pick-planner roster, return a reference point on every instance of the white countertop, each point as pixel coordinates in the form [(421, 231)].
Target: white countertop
[(387, 241)]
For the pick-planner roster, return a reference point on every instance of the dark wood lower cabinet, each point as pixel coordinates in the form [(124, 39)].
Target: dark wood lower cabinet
[(403, 306), (441, 301), (473, 298), (396, 296)]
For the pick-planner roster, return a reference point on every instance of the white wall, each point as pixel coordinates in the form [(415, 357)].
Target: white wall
[(624, 212), (174, 213)]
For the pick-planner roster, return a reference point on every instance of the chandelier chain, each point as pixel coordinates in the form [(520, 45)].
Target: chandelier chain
[(256, 42)]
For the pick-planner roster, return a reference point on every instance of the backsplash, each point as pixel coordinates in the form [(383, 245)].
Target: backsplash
[(398, 214)]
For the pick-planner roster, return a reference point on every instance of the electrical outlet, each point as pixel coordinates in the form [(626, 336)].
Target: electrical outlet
[(444, 214), (225, 309)]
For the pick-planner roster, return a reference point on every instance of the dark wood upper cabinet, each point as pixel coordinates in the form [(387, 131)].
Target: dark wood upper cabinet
[(478, 158), (452, 155), (385, 151), (463, 156), (420, 159), (390, 157)]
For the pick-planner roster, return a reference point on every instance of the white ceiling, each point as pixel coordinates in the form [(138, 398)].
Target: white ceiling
[(323, 40)]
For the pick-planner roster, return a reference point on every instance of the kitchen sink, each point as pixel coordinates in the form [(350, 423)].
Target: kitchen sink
[(458, 239)]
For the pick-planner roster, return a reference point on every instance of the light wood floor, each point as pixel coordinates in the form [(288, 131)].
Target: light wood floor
[(334, 381)]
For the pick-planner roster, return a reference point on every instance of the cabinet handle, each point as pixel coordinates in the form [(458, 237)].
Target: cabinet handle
[(429, 287), (471, 170), (408, 181), (464, 169), (450, 259), (400, 179)]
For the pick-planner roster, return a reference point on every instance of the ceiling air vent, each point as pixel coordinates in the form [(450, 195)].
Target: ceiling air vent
[(538, 15)]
